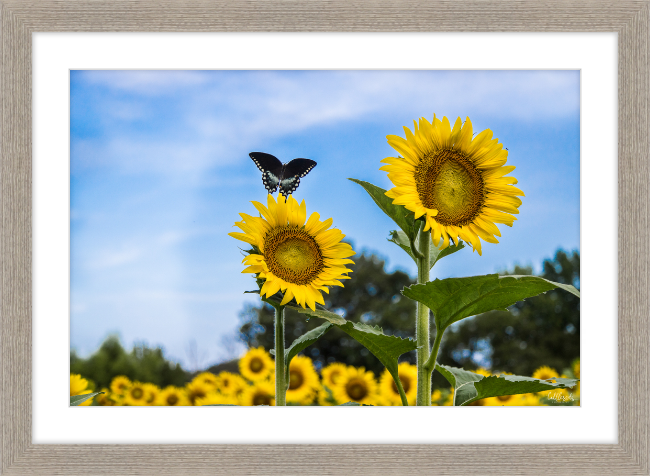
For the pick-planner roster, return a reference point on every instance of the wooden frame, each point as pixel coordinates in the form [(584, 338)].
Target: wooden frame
[(20, 18)]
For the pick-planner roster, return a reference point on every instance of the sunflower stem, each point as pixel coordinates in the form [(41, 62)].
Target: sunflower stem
[(280, 381), (422, 324), (430, 364)]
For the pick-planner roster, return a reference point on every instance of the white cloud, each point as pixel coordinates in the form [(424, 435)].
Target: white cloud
[(217, 117)]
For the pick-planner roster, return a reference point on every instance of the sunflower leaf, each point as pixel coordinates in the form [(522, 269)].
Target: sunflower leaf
[(453, 299), (354, 404), (77, 400), (402, 240), (400, 215), (301, 343), (386, 348), (470, 387)]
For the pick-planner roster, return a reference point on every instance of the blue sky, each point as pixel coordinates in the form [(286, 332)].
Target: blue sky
[(160, 171)]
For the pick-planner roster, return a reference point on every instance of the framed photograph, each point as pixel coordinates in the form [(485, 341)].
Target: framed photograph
[(54, 82)]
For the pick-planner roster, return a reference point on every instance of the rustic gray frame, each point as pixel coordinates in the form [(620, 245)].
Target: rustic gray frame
[(20, 18)]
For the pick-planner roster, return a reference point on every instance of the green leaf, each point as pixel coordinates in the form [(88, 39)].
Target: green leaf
[(400, 215), (301, 343), (469, 387), (354, 404), (386, 348), (454, 299), (435, 254), (77, 400)]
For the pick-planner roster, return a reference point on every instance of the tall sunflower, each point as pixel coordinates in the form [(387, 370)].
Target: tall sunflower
[(299, 258), (456, 182)]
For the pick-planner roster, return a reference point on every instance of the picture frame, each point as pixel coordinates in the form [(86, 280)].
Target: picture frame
[(20, 19)]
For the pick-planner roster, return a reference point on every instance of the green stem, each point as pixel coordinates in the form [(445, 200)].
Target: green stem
[(422, 323), (402, 393), (280, 381), (430, 364)]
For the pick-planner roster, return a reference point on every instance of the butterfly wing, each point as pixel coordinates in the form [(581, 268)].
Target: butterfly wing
[(271, 169), (292, 173)]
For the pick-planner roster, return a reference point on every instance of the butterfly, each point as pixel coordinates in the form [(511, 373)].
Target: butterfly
[(276, 174)]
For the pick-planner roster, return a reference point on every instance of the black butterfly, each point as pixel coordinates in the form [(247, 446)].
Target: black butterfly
[(276, 174)]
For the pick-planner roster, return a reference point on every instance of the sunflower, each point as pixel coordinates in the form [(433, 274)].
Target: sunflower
[(256, 365), (457, 184), (545, 373), (119, 385), (196, 390), (207, 378), (229, 384), (172, 397), (260, 393), (332, 373), (356, 385), (79, 386), (151, 392), (300, 259), (136, 395), (215, 399), (408, 375), (303, 381)]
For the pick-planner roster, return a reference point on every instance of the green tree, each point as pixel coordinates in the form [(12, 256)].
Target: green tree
[(142, 363), (371, 296), (544, 330)]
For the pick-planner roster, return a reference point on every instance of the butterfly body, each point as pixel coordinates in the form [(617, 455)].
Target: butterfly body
[(276, 175)]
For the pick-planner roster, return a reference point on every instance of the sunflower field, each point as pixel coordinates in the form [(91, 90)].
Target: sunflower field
[(335, 384)]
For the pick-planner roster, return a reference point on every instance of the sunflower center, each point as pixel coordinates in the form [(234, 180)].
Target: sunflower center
[(356, 389), (172, 399), (137, 393), (262, 399), (406, 384), (449, 182), (256, 365), (296, 379), (292, 254)]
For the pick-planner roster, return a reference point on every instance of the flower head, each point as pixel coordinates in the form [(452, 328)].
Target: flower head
[(291, 254), (119, 385), (80, 386), (260, 393), (136, 395), (256, 365), (303, 381), (356, 385), (172, 397), (455, 182)]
